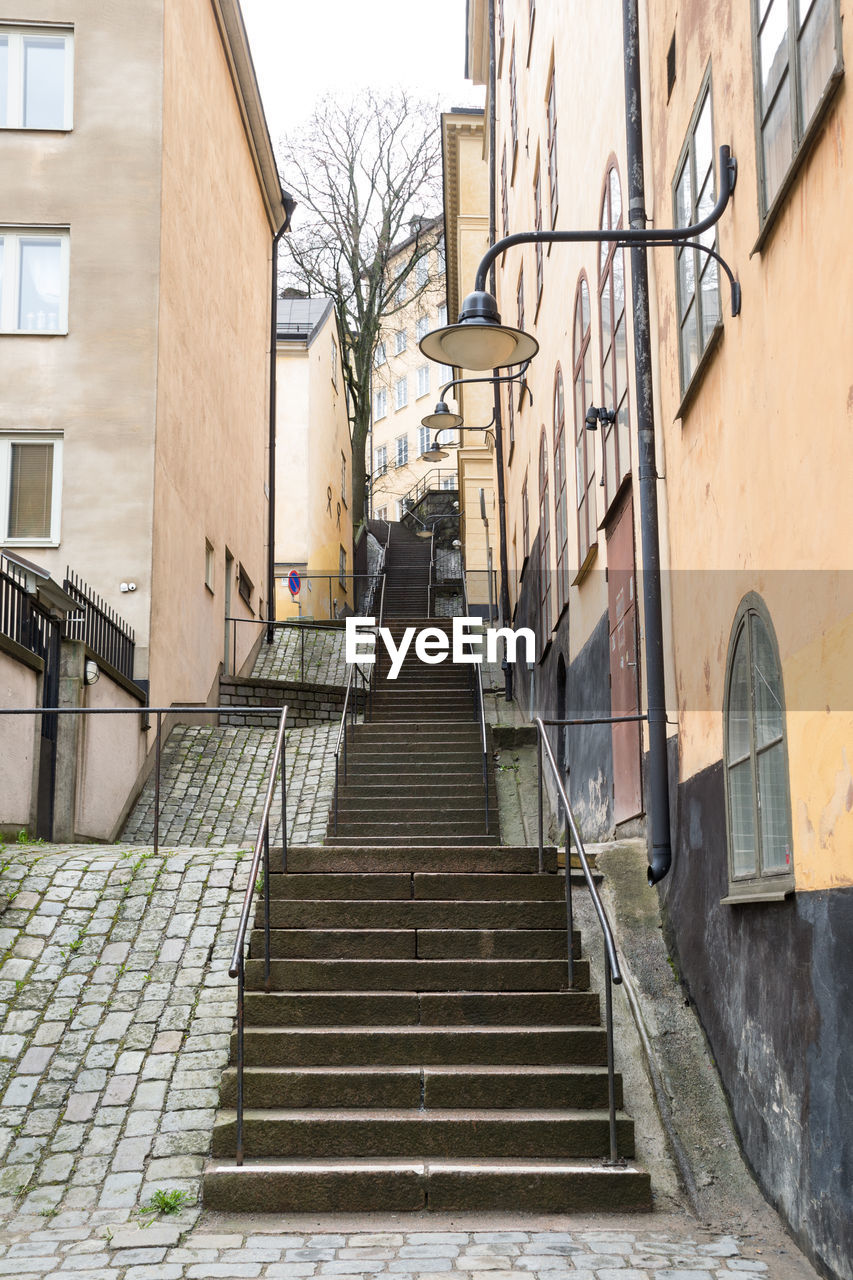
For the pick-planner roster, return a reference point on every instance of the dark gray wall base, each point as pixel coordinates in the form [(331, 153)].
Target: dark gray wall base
[(773, 986), (307, 703)]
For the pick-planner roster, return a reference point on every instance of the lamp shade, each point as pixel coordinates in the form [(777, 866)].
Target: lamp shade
[(478, 340), (434, 453), (442, 418)]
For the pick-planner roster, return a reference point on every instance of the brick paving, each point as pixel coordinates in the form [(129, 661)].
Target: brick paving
[(213, 783), (303, 654)]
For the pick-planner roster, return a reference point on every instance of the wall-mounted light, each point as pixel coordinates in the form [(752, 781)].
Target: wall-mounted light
[(91, 674), (593, 416)]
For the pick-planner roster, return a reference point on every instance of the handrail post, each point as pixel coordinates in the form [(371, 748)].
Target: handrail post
[(611, 1082), (486, 787), (336, 794), (570, 919), (302, 656), (240, 1021), (157, 785), (283, 804), (539, 791), (267, 904)]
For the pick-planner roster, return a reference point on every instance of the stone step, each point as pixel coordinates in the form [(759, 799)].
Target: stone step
[(421, 860), (430, 1087), (414, 944), (411, 1184), (413, 914), (416, 975), (563, 1134), (410, 794), (403, 1008), (415, 837), (408, 827)]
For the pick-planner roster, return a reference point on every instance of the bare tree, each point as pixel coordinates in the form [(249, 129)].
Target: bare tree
[(363, 173)]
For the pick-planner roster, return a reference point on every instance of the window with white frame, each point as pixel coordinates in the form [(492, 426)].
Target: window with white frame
[(697, 274), (33, 281), (380, 404), (343, 478), (379, 356), (421, 327), (400, 293), (36, 77), (334, 355), (401, 393), (402, 443), (380, 457), (209, 565), (399, 342), (342, 567), (382, 513), (423, 440), (423, 380), (442, 315), (445, 374), (30, 488), (448, 482), (421, 271), (441, 257)]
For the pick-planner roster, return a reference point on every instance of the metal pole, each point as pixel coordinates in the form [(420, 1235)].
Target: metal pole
[(539, 790), (240, 1017), (283, 805), (302, 656), (267, 904), (661, 857), (486, 787), (611, 1083), (570, 918), (157, 785), (336, 794)]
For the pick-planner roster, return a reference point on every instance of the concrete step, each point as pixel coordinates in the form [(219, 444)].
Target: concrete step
[(414, 944), (416, 975), (415, 838), (561, 1134), (430, 1087), (411, 1184), (448, 859), (404, 1008), (397, 795), (409, 826), (414, 914)]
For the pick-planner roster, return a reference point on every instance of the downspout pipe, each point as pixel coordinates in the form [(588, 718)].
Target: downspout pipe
[(661, 843), (499, 447), (289, 205)]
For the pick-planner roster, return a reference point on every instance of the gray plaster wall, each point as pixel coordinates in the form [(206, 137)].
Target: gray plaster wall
[(773, 986)]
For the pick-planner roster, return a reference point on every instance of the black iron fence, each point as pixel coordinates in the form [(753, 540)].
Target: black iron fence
[(99, 626)]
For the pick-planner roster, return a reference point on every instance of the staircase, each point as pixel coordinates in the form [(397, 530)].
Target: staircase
[(419, 1047), (406, 574)]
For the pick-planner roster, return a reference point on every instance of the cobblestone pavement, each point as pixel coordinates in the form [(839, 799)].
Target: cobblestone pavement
[(305, 655), (213, 782)]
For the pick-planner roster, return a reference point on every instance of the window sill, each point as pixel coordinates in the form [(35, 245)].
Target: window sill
[(209, 589), (560, 616), (29, 542), (545, 650), (525, 562), (511, 452), (33, 333), (583, 571), (699, 373), (771, 217), (22, 128), (756, 893), (614, 506)]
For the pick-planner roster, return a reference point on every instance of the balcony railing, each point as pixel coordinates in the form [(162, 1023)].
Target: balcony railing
[(100, 627)]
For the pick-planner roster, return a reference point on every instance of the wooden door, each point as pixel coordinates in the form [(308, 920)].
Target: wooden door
[(624, 668)]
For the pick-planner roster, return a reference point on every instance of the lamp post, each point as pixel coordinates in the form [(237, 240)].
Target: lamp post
[(479, 340)]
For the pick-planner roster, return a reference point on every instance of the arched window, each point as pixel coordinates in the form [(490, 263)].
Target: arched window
[(584, 455), (758, 802), (616, 437), (544, 548), (561, 524)]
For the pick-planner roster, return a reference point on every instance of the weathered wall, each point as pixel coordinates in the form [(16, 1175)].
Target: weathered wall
[(212, 371), (111, 752), (96, 384), (774, 988), (306, 703), (20, 686)]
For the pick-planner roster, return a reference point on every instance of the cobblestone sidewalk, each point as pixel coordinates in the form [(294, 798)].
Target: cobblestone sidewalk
[(304, 655), (213, 783)]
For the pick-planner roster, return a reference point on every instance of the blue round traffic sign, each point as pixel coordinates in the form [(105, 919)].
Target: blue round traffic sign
[(294, 582)]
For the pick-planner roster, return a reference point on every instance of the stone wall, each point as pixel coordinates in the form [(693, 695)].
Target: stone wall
[(308, 703)]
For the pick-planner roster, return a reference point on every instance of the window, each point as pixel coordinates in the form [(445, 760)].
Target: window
[(334, 354), (544, 546), (525, 519), (382, 513), (584, 456), (342, 567), (401, 393), (531, 14), (697, 275), (615, 437), (344, 478), (448, 482), (537, 206), (380, 457), (510, 416), (209, 565), (552, 149), (519, 298), (513, 105), (399, 342), (422, 272), (423, 440), (441, 257), (400, 293), (380, 404), (31, 493), (445, 374), (423, 380), (379, 356), (33, 281), (561, 523), (36, 77), (442, 315), (504, 196), (421, 327), (402, 443), (245, 586), (797, 57), (758, 804)]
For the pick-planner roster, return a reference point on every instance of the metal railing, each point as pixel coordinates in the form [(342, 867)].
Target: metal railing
[(99, 626), (303, 628), (429, 481), (479, 707), (238, 961), (612, 971)]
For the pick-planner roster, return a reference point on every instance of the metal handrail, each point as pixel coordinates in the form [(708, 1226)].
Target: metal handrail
[(612, 970), (421, 487), (479, 707), (262, 849), (431, 569)]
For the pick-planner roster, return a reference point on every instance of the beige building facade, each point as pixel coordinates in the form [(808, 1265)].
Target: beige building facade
[(314, 528)]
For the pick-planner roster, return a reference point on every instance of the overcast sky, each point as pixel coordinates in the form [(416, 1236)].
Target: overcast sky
[(303, 50)]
